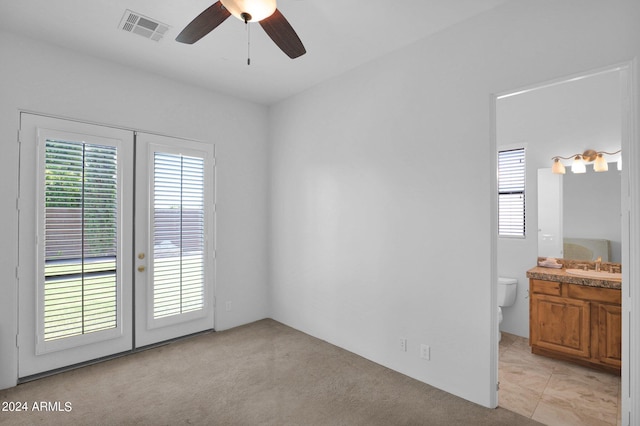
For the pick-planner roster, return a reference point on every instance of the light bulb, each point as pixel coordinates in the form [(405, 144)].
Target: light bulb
[(578, 165), (601, 164), (558, 167)]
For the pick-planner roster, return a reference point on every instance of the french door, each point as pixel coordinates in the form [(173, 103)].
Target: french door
[(173, 238), (89, 196)]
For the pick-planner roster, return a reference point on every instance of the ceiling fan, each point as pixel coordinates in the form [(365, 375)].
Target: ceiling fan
[(264, 11)]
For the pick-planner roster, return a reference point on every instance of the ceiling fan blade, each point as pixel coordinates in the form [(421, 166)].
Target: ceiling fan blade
[(282, 33), (204, 23)]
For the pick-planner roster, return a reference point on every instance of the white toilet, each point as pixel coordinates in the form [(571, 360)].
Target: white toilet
[(506, 296)]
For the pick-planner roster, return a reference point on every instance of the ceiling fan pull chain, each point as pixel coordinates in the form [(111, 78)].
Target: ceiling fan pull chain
[(247, 17), (248, 44)]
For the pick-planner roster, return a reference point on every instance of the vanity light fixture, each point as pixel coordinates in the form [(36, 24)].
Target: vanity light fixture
[(580, 160)]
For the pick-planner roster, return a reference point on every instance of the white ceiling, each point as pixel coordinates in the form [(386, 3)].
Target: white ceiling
[(338, 35)]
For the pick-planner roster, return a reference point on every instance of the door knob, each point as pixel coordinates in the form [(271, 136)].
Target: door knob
[(141, 256), (140, 268)]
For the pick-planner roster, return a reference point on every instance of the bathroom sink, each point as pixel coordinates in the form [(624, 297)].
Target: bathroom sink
[(596, 275)]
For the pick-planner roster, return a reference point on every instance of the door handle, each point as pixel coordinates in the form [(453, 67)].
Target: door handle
[(141, 268)]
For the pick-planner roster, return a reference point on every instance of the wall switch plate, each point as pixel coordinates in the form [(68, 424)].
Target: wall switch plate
[(425, 352), (403, 344), (227, 305)]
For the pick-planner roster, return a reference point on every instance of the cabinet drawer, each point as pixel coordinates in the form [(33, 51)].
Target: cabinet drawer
[(607, 295), (545, 287)]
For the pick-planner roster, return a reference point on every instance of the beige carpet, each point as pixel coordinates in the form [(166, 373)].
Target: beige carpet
[(263, 373)]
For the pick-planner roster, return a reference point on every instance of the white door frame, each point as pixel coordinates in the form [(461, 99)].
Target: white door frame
[(630, 246), (630, 239)]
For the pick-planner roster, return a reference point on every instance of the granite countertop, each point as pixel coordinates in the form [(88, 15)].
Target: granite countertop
[(561, 275)]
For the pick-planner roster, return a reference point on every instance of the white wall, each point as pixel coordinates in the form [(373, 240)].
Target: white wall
[(51, 80), (382, 181), (561, 119)]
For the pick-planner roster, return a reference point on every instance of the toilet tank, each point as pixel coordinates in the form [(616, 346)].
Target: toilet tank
[(507, 291)]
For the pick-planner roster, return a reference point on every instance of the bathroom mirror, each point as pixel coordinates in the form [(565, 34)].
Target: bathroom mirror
[(578, 214)]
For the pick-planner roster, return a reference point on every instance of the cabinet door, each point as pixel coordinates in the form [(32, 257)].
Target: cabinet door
[(560, 324), (610, 334)]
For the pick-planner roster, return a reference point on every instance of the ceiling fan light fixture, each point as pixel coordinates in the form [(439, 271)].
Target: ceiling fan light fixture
[(257, 10), (271, 20)]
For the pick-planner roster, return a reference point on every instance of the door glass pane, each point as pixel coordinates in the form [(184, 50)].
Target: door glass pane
[(80, 285), (178, 234)]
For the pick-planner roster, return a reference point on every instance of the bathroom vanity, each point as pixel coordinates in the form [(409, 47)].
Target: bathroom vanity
[(575, 318)]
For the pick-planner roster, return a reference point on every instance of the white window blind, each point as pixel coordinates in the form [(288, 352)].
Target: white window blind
[(178, 234), (80, 246), (511, 193)]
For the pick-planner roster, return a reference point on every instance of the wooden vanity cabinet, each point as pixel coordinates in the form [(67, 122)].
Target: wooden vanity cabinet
[(576, 323), (610, 335)]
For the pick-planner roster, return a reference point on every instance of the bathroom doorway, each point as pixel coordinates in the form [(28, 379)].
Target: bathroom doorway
[(560, 118)]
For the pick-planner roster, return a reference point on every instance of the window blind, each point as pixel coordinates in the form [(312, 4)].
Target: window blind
[(511, 193), (80, 238), (178, 234)]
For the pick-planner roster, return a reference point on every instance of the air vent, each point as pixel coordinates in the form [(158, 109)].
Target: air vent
[(139, 24)]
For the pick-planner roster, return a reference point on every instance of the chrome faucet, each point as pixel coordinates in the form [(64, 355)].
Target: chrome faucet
[(598, 263)]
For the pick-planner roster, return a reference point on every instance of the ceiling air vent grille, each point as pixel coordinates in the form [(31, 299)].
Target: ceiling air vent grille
[(136, 23)]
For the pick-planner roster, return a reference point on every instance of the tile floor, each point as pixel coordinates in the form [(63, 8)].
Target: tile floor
[(555, 392)]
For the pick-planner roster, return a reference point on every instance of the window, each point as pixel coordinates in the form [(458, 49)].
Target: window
[(178, 234), (80, 215), (511, 199)]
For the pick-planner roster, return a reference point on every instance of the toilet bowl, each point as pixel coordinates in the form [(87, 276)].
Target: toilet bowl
[(506, 296)]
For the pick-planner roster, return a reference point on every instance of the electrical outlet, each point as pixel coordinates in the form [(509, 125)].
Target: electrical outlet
[(227, 305), (403, 344), (425, 352)]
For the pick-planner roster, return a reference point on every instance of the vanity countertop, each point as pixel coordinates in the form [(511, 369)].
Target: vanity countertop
[(561, 275)]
